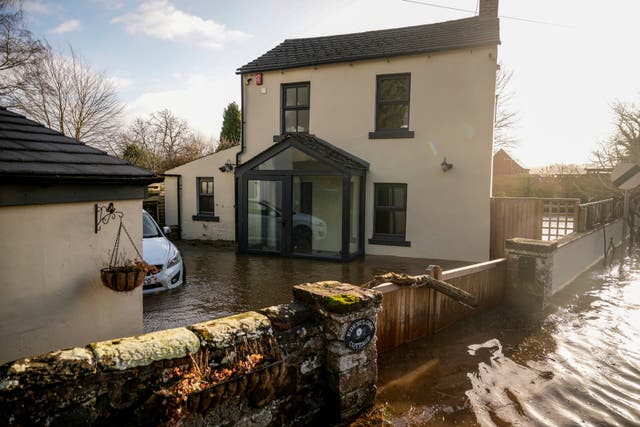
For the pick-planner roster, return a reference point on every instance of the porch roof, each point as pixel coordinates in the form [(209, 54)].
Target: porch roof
[(309, 143)]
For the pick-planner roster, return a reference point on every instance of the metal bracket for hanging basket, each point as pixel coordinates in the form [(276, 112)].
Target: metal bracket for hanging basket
[(103, 214)]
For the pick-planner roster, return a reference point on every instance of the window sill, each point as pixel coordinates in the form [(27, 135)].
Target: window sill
[(391, 134), (208, 218), (388, 242)]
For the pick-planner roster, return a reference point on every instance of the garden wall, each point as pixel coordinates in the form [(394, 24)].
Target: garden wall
[(309, 362), (538, 269)]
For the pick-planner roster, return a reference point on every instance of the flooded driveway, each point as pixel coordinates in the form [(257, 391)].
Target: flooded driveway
[(221, 283), (576, 364)]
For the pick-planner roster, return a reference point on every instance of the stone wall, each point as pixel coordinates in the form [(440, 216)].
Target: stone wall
[(537, 269), (317, 366)]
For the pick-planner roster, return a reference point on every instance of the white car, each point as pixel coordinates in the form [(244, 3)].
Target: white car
[(158, 251), (306, 228)]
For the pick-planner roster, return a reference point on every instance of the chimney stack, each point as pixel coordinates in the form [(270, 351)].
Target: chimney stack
[(488, 8)]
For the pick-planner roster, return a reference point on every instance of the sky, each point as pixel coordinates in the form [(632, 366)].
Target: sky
[(182, 55)]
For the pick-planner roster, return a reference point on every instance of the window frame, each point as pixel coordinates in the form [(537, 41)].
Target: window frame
[(205, 215), (398, 239), (284, 108), (382, 133)]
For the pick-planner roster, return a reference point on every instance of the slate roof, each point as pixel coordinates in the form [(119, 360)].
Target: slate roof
[(31, 151), (461, 33)]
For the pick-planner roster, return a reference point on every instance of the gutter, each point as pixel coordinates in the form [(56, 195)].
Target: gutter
[(86, 179), (179, 190)]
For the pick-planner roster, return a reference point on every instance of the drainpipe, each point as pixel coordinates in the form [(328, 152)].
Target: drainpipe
[(179, 190), (242, 132)]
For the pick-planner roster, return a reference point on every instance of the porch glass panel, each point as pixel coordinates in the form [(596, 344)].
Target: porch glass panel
[(264, 212), (292, 159), (354, 215), (317, 215)]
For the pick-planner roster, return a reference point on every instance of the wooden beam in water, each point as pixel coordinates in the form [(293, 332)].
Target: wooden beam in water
[(461, 296)]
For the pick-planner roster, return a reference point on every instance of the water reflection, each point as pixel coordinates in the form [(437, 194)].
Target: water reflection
[(221, 283), (579, 364)]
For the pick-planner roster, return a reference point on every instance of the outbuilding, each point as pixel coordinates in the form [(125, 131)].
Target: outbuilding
[(54, 192)]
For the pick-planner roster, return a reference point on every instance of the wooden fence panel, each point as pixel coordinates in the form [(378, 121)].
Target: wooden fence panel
[(407, 314), (486, 285), (411, 313), (514, 217)]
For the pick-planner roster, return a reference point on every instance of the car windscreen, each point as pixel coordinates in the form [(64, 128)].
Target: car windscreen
[(149, 228)]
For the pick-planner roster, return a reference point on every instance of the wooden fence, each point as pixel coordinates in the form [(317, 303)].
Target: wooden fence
[(595, 214), (531, 218), (409, 313)]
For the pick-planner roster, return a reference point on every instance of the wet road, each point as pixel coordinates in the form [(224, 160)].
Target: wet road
[(221, 283), (576, 364)]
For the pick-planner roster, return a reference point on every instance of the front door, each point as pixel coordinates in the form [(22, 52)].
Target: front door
[(268, 214)]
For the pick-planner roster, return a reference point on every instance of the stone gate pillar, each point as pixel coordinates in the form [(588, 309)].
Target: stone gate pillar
[(348, 316), (529, 273)]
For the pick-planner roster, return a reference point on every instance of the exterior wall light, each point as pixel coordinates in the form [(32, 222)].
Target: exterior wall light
[(445, 165), (227, 167)]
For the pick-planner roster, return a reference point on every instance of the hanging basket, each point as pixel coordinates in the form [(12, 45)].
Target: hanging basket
[(122, 279), (123, 276)]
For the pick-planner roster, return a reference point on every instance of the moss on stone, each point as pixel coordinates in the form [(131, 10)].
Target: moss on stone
[(341, 303), (143, 350)]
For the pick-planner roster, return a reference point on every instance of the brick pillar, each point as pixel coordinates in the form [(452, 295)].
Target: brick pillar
[(348, 315), (529, 273)]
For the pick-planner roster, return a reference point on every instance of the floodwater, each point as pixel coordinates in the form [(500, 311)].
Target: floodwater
[(222, 283), (576, 364)]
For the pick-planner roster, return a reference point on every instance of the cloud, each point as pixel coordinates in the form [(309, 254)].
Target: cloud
[(67, 26), (121, 83), (162, 20), (36, 7)]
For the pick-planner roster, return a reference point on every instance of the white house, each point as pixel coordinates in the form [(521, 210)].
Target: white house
[(376, 142)]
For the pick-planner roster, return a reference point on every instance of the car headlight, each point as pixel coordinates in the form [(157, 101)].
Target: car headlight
[(175, 260)]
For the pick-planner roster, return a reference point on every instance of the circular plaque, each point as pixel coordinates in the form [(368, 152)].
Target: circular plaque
[(359, 334)]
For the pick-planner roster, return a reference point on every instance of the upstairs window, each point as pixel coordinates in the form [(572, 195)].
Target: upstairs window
[(392, 106), (295, 108)]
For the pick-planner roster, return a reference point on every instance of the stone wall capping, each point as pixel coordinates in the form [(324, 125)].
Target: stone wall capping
[(50, 368), (288, 316), (143, 350), (531, 245), (232, 330), (336, 297)]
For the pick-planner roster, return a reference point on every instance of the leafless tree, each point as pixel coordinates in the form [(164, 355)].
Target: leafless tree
[(18, 46), (162, 141), (65, 94), (505, 117), (624, 144)]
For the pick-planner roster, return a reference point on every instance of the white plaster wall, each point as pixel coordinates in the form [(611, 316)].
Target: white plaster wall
[(576, 253), (52, 296), (451, 113), (224, 197)]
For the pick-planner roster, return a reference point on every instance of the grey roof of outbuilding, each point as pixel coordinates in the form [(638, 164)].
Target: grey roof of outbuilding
[(29, 150), (461, 33)]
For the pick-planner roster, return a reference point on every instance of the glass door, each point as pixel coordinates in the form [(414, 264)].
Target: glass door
[(267, 215)]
